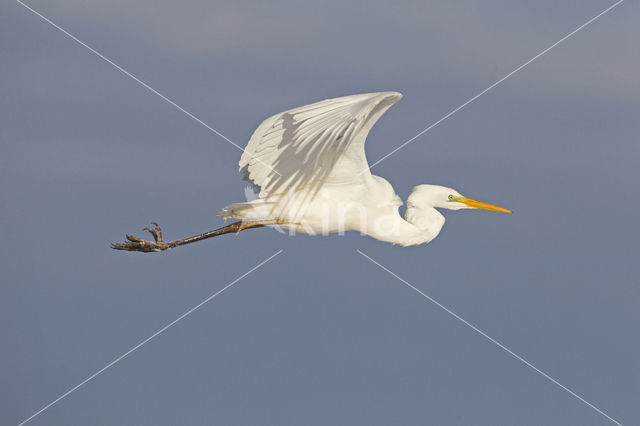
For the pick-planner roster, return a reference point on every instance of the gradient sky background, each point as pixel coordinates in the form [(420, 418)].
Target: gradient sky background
[(320, 335)]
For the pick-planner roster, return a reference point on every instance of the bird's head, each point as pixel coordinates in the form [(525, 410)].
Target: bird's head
[(430, 196)]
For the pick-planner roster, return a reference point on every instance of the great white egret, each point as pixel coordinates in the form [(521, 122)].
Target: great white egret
[(309, 167)]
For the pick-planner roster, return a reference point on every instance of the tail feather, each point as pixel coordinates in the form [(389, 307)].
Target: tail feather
[(253, 210)]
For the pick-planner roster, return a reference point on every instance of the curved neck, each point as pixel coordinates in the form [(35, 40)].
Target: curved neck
[(428, 221), (420, 226)]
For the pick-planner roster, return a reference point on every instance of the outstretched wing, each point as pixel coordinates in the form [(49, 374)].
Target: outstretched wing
[(313, 145)]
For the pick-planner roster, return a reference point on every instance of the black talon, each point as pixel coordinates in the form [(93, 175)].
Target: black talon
[(158, 230), (152, 232)]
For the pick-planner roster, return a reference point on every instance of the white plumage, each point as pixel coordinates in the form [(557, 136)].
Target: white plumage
[(310, 168)]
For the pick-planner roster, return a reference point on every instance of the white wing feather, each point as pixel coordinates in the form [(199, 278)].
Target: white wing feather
[(300, 148)]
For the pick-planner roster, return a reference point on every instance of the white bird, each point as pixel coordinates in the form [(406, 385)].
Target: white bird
[(309, 168)]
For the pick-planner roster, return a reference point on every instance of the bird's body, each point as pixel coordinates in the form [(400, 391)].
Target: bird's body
[(371, 209), (309, 169)]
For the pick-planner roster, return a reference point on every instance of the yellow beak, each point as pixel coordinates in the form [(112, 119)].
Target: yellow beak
[(480, 205)]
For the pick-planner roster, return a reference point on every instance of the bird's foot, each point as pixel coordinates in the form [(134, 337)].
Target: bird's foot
[(138, 244)]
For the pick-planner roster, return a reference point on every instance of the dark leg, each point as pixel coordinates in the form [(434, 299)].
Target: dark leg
[(138, 244)]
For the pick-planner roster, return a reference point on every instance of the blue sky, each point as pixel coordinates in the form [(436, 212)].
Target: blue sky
[(319, 335)]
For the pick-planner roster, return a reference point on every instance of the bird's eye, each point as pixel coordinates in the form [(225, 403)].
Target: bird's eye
[(450, 197)]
